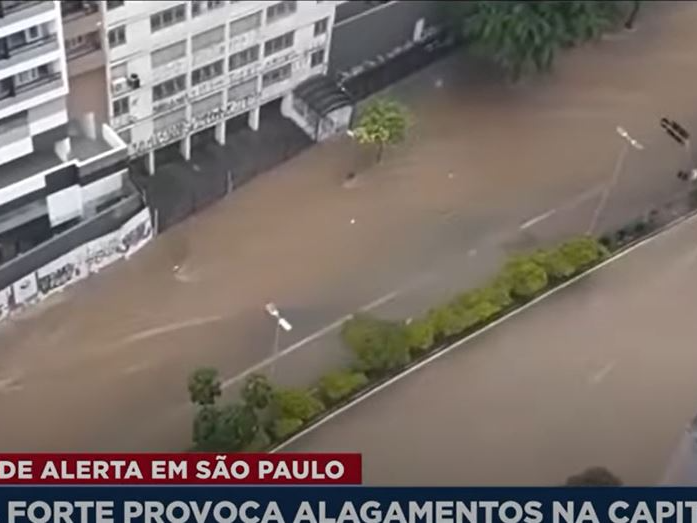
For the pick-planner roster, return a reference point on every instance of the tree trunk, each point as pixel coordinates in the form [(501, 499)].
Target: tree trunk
[(629, 24), (381, 149)]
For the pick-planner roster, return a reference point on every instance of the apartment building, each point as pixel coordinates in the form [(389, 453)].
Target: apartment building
[(177, 68), (54, 171)]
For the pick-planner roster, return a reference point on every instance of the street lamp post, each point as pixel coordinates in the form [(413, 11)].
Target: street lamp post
[(281, 323), (628, 142)]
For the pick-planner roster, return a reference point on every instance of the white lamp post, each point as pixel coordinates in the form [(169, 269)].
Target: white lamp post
[(628, 142), (281, 323)]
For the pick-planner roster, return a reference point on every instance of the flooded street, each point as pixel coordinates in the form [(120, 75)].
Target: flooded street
[(601, 374), (104, 366)]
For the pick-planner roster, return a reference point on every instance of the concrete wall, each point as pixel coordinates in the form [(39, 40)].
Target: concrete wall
[(75, 265), (361, 37)]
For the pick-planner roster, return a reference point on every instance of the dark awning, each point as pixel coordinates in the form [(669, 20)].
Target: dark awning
[(322, 95)]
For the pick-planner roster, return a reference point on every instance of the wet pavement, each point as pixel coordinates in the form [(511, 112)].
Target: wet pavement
[(104, 365)]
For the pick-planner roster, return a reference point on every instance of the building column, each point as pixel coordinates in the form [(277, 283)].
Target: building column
[(254, 118), (185, 147), (220, 132), (150, 162)]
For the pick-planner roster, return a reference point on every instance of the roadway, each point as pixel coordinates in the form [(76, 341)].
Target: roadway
[(600, 374), (104, 365)]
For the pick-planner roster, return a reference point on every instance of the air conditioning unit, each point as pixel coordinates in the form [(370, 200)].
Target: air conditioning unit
[(119, 85)]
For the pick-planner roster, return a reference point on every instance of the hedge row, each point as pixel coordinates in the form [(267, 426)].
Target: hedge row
[(266, 415)]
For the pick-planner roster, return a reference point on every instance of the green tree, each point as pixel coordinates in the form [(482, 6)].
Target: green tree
[(555, 263), (296, 403), (583, 251), (594, 477), (337, 385), (204, 386), (257, 391), (525, 36), (205, 426), (379, 345), (420, 335), (382, 123)]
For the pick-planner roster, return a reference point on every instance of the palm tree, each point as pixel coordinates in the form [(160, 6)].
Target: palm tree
[(629, 24)]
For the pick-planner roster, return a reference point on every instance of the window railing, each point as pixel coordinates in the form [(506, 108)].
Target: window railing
[(7, 7), (7, 52), (38, 82), (74, 8), (82, 50)]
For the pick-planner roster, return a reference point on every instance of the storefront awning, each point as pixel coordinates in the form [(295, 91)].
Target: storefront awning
[(322, 95)]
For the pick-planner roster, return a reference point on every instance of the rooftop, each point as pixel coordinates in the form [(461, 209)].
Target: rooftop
[(82, 148)]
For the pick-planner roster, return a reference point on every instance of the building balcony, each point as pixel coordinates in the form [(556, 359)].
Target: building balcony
[(76, 9), (86, 58), (22, 93), (13, 11), (12, 56)]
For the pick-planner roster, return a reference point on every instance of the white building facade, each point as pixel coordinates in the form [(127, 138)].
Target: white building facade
[(54, 172), (176, 68)]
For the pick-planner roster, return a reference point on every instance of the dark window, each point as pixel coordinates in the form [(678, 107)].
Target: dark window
[(317, 58), (321, 26), (245, 57), (117, 36), (278, 44), (169, 87), (207, 72), (113, 4), (120, 106), (199, 7), (167, 17), (281, 10)]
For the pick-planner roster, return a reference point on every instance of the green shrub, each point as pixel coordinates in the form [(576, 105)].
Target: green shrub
[(296, 403), (525, 276), (555, 263), (379, 345), (420, 335), (337, 385), (582, 252), (445, 320), (284, 427)]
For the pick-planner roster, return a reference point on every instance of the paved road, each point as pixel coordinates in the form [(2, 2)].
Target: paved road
[(103, 366), (603, 373)]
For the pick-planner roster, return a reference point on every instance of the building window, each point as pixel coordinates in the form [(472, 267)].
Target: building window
[(169, 120), (242, 90), (245, 57), (206, 105), (321, 26), (278, 44), (208, 38), (246, 24), (167, 17), (168, 54), (276, 75), (199, 7), (281, 10), (317, 58), (82, 44), (207, 72), (32, 75), (117, 36), (113, 4), (120, 107), (169, 87)]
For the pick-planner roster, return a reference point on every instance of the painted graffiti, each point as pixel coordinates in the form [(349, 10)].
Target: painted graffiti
[(79, 263), (184, 127)]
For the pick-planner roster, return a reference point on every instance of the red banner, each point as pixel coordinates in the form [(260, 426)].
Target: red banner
[(180, 469)]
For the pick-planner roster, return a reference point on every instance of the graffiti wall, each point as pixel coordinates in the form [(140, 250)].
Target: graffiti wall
[(78, 264)]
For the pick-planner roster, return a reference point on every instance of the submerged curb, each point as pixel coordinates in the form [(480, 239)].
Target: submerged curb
[(374, 390)]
